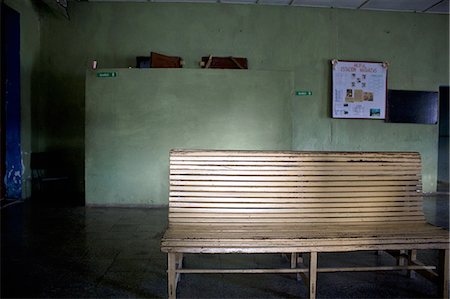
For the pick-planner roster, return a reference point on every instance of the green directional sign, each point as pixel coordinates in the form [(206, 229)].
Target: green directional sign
[(106, 74), (303, 93)]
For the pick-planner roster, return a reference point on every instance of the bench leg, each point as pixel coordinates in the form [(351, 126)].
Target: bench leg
[(294, 260), (294, 257), (412, 257), (402, 259), (297, 259), (178, 265), (313, 275), (171, 275), (443, 272)]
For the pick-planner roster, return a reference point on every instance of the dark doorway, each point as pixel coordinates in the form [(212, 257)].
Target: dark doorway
[(10, 59), (443, 181)]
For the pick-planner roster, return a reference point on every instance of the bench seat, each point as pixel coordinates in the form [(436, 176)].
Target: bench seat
[(301, 238)]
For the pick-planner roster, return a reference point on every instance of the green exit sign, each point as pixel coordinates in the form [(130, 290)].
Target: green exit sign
[(106, 74), (303, 93)]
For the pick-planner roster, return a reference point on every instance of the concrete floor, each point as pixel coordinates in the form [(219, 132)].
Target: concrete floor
[(50, 251)]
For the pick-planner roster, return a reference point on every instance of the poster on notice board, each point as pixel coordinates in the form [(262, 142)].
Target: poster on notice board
[(359, 89)]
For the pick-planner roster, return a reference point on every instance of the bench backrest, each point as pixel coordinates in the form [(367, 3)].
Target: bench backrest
[(286, 187)]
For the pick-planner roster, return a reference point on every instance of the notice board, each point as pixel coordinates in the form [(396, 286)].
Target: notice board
[(359, 89)]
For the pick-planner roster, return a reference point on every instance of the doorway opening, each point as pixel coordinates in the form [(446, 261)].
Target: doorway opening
[(443, 169), (11, 156)]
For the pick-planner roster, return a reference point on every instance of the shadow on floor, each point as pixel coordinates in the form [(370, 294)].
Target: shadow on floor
[(80, 252)]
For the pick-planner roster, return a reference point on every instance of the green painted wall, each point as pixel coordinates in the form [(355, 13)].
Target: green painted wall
[(29, 76), (297, 39), (134, 119)]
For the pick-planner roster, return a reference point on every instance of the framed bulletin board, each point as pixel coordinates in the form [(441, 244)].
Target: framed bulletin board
[(359, 89)]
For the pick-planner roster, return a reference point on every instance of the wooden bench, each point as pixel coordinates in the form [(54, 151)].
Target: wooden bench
[(299, 202)]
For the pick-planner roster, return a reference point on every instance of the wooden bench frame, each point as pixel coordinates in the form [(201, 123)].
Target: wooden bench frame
[(215, 207)]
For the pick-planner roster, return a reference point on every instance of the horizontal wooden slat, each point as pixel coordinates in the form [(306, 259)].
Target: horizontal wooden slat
[(243, 271), (291, 195), (313, 227), (303, 231), (363, 218), (343, 227), (351, 200), (292, 242), (242, 213), (281, 205), (299, 248), (294, 183), (264, 153), (377, 172), (304, 270), (300, 211), (242, 230), (410, 198), (301, 157), (295, 178), (322, 189), (289, 235), (328, 167), (415, 163)]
